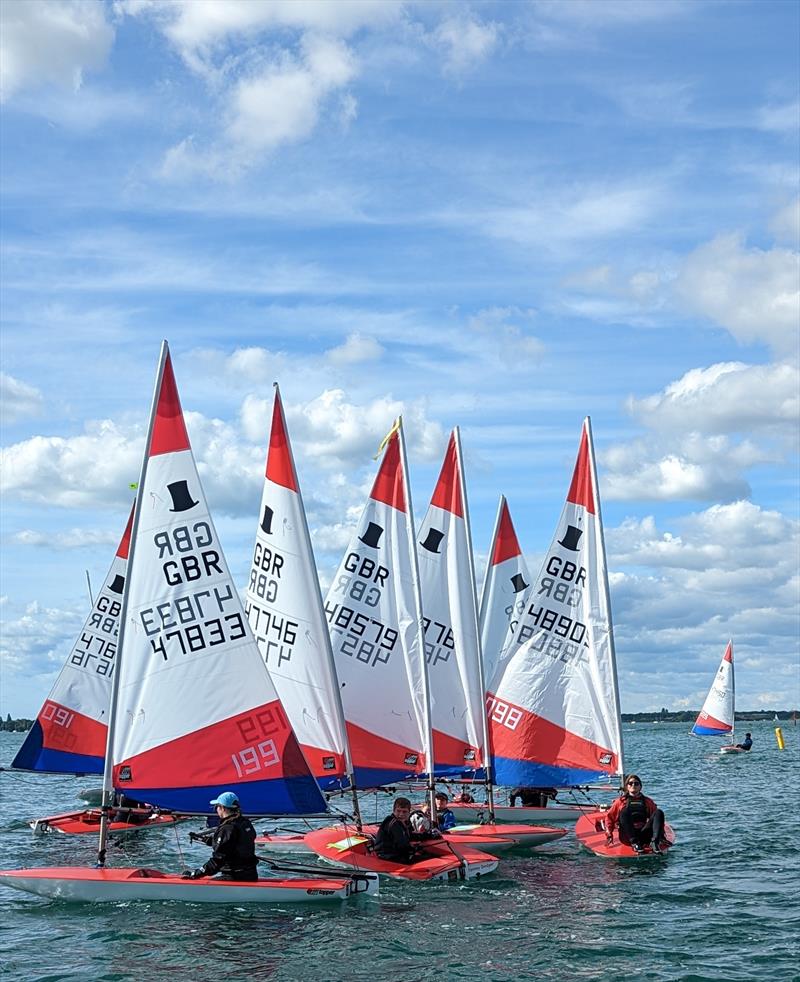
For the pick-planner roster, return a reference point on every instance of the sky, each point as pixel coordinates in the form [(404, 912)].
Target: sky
[(501, 216)]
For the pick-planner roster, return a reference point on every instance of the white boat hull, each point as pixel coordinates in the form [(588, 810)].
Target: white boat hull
[(79, 884), (552, 814), (732, 750)]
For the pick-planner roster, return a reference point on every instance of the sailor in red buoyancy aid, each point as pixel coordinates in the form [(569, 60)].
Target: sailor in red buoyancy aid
[(639, 819)]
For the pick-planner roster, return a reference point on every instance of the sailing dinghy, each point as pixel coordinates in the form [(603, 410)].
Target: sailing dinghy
[(70, 731), (193, 708), (377, 629), (590, 831), (553, 702), (453, 650), (717, 717)]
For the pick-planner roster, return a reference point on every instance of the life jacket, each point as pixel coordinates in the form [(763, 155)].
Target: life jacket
[(636, 811)]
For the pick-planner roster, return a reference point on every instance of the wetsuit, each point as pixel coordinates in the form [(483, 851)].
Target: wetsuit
[(234, 855), (746, 744), (394, 840), (445, 819)]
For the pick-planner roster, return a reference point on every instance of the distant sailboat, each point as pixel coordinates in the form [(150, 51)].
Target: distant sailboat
[(717, 717)]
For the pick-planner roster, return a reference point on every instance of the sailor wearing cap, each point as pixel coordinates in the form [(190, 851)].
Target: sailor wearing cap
[(233, 842)]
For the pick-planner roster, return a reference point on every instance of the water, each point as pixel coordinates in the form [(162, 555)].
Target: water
[(722, 906)]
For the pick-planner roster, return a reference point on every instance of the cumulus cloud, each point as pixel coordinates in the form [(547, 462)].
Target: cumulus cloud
[(752, 293), (356, 349), (54, 42), (726, 397), (18, 400), (465, 41), (36, 641)]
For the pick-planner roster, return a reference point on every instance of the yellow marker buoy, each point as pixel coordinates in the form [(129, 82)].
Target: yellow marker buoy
[(779, 738)]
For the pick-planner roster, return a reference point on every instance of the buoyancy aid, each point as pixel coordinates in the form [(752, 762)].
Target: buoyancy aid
[(636, 811)]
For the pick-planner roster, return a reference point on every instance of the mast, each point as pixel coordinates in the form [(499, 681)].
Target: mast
[(338, 706), (733, 692), (487, 767), (426, 690), (108, 786), (612, 650), (89, 588)]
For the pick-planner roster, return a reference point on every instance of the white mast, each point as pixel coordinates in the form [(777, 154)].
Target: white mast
[(108, 785)]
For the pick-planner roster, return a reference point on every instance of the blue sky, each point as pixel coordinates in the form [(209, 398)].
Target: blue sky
[(504, 216)]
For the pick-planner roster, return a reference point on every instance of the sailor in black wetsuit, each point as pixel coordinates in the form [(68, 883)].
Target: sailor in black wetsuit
[(395, 837), (233, 842)]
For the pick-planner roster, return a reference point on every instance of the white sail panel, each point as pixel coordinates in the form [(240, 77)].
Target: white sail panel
[(553, 703), (452, 648), (196, 710), (284, 607), (372, 614), (506, 588)]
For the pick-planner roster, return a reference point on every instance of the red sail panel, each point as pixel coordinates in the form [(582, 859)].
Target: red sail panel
[(280, 468), (506, 545), (388, 486), (581, 490), (447, 493), (169, 429), (448, 751), (70, 731), (538, 740), (125, 541), (371, 751)]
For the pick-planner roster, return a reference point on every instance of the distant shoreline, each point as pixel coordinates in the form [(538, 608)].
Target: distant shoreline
[(684, 716)]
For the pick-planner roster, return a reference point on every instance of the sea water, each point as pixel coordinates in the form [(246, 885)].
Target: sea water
[(723, 905)]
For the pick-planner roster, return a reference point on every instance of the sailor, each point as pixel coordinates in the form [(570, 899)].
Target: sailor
[(395, 838), (532, 797), (747, 743), (445, 818), (233, 842), (639, 819)]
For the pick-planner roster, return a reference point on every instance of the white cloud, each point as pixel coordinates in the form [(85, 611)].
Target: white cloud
[(18, 400), (780, 117), (753, 293), (76, 538), (785, 223), (724, 398), (509, 342), (356, 349), (51, 42), (466, 42), (37, 641)]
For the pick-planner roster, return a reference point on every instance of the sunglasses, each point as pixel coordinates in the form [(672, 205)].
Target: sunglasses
[(634, 784)]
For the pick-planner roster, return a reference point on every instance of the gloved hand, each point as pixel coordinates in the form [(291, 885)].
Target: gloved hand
[(609, 839), (192, 874), (436, 834)]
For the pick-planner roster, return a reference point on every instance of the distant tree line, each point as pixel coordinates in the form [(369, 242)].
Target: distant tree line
[(9, 725), (690, 715)]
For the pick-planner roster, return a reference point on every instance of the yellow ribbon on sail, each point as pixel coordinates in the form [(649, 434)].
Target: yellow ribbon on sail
[(395, 427)]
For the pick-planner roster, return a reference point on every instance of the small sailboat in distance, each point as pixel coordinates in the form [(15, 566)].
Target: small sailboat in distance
[(717, 717)]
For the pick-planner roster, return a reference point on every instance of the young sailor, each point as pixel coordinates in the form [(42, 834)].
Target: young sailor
[(395, 837), (445, 818), (233, 842), (747, 743), (638, 818)]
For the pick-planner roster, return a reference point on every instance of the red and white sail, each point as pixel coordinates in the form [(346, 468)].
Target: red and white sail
[(374, 618), (452, 644), (194, 711), (284, 607), (553, 703), (70, 732), (506, 587), (717, 715)]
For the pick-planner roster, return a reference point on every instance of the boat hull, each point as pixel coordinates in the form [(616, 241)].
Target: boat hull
[(732, 750), (83, 885), (284, 843), (590, 831), (87, 822), (439, 859), (556, 814), (485, 837)]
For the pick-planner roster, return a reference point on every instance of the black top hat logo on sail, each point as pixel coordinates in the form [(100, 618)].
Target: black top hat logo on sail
[(372, 535), (572, 538), (518, 583), (433, 540), (181, 496), (266, 521), (118, 585)]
